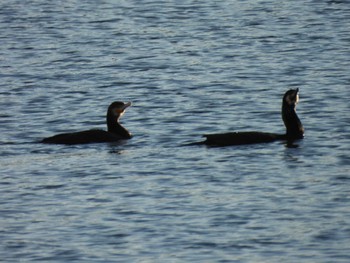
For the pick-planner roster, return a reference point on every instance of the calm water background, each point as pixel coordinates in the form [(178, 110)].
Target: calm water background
[(189, 67)]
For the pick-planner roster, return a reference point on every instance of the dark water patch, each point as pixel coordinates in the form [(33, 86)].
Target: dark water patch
[(49, 187)]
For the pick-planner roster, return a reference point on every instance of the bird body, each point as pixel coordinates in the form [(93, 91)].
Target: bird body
[(294, 128), (115, 131), (88, 136), (239, 138)]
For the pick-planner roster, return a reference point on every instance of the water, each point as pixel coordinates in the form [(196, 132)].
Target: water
[(189, 67)]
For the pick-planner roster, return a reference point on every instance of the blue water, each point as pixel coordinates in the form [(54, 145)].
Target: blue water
[(190, 68)]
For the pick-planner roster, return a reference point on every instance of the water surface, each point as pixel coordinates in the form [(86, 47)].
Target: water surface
[(190, 68)]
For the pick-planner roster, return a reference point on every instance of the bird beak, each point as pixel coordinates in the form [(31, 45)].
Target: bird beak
[(297, 96), (126, 104), (120, 111)]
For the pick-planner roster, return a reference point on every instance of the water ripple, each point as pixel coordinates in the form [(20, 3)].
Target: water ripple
[(190, 68)]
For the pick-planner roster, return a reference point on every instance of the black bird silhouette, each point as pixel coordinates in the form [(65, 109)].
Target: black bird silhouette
[(115, 131), (294, 128)]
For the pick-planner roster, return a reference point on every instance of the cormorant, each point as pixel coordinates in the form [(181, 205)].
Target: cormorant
[(115, 131), (294, 128)]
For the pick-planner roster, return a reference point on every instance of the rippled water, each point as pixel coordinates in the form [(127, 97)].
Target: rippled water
[(189, 67)]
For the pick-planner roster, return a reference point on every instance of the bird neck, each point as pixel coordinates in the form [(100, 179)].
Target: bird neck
[(294, 128), (115, 127)]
